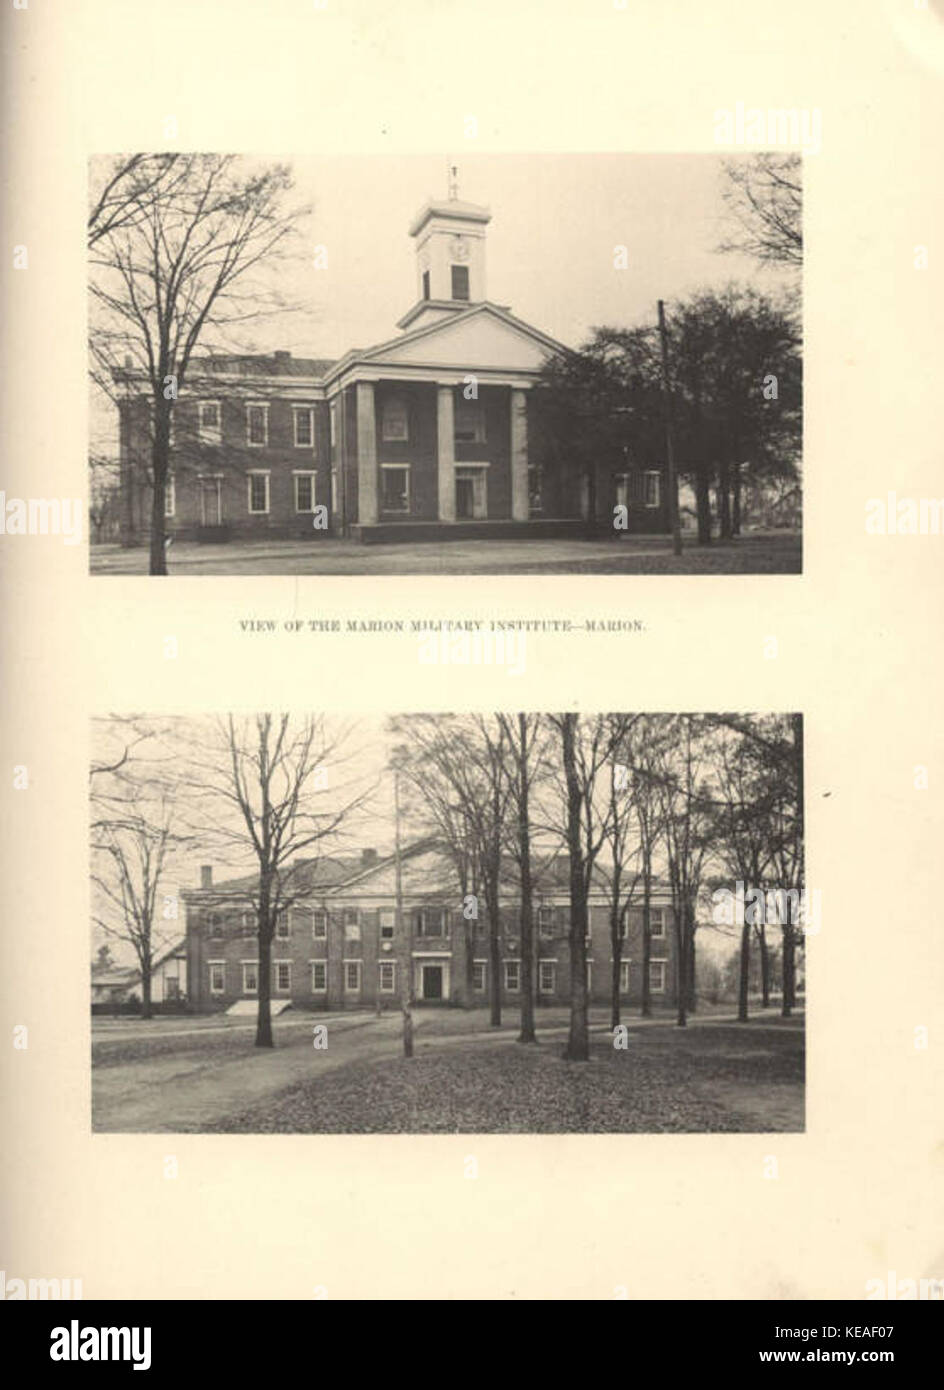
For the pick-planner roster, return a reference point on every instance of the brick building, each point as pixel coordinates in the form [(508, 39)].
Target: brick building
[(338, 945), (428, 435)]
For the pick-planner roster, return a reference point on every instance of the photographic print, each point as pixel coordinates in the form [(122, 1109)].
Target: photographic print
[(429, 923), (509, 364)]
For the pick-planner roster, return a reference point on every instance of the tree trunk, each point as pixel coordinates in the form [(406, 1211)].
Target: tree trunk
[(681, 957), (789, 971), (703, 503), (724, 501), (646, 935), (744, 973), (578, 1042), (159, 466), (494, 953), (764, 966), (146, 988), (527, 1034), (690, 968), (616, 952), (266, 926)]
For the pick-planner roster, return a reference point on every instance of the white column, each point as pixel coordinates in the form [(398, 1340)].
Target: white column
[(446, 453), (519, 456), (366, 454)]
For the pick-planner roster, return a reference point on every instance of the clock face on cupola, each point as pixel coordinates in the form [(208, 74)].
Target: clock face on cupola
[(460, 248)]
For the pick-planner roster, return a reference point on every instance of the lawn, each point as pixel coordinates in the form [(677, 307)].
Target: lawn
[(713, 1078), (752, 553)]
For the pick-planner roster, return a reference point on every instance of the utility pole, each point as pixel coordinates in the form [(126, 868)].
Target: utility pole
[(669, 444), (403, 938)]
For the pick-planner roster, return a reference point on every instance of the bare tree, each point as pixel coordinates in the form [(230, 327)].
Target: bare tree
[(764, 195), (268, 782), (130, 853), (588, 745), (523, 735), (170, 263)]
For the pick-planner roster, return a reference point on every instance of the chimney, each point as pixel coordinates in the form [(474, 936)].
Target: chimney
[(206, 876), (282, 356), (368, 856)]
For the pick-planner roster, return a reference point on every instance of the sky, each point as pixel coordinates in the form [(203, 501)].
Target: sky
[(556, 220)]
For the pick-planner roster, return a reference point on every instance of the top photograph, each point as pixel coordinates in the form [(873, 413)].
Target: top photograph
[(456, 364)]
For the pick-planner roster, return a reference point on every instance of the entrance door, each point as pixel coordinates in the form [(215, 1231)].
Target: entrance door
[(211, 502), (471, 493), (432, 982), (465, 499)]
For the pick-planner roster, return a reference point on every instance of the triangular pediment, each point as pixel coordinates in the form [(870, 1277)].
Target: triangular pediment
[(483, 337)]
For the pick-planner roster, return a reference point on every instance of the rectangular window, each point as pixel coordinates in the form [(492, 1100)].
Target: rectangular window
[(319, 977), (299, 919), (652, 489), (304, 426), (283, 976), (430, 921), (656, 922), (258, 492), (621, 483), (546, 921), (247, 923), (535, 487), (352, 977), (395, 420), (469, 422), (208, 416), (388, 977), (624, 977), (512, 976), (250, 977), (217, 977), (282, 929), (304, 492), (216, 924), (426, 284), (395, 484), (352, 924), (170, 495), (460, 282), (479, 976), (388, 922), (257, 425), (547, 976), (319, 923), (657, 976)]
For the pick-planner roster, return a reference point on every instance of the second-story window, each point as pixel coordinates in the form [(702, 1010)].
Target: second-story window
[(352, 924), (430, 921), (304, 427), (460, 282), (257, 426), (395, 422), (388, 922), (469, 422), (209, 422)]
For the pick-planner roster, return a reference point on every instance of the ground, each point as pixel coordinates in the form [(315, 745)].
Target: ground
[(755, 553), (466, 1077)]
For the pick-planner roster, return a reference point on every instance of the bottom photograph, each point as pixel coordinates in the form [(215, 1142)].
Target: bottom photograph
[(503, 923)]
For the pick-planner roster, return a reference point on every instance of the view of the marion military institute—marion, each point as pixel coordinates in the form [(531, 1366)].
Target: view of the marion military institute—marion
[(593, 365)]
